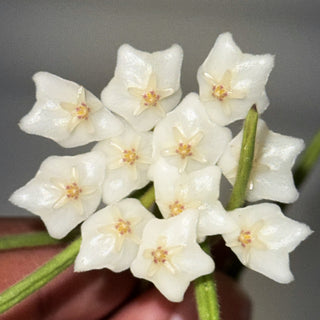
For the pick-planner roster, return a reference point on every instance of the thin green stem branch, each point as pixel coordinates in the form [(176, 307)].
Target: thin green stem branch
[(40, 277), (147, 199), (205, 287), (238, 194), (53, 267), (206, 294), (308, 160), (32, 239)]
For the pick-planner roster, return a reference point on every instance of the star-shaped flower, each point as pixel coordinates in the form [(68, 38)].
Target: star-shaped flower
[(264, 238), (169, 255), (271, 177), (145, 85), (199, 190), (128, 158), (230, 81), (68, 114), (187, 139), (111, 237), (64, 192)]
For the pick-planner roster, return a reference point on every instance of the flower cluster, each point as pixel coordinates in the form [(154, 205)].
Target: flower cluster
[(184, 156)]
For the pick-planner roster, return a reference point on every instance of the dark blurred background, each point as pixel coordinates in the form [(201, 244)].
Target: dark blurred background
[(78, 40)]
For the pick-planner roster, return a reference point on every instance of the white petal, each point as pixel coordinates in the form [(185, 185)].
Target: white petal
[(283, 233), (214, 220), (272, 264), (167, 67), (250, 76), (273, 185), (119, 183), (133, 66), (223, 56)]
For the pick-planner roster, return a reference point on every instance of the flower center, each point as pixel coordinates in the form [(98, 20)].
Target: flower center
[(176, 208), (159, 255), (73, 191), (219, 92), (82, 111), (245, 238), (130, 156), (123, 226), (184, 150), (151, 98)]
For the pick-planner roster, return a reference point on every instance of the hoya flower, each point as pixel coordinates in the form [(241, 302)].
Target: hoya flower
[(128, 158), (67, 113), (169, 255), (176, 194), (271, 177), (230, 81), (145, 85), (64, 192), (187, 139), (111, 237), (264, 238)]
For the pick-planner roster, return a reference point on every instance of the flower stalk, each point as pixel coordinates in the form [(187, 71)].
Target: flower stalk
[(147, 199), (238, 194), (206, 294), (33, 239), (52, 268), (308, 160), (205, 287), (40, 277)]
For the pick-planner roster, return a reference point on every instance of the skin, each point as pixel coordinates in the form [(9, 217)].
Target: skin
[(101, 293)]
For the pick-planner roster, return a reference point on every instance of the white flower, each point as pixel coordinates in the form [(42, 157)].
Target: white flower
[(169, 255), (67, 113), (128, 158), (199, 190), (64, 192), (230, 81), (264, 238), (145, 85), (111, 237), (271, 177), (187, 139)]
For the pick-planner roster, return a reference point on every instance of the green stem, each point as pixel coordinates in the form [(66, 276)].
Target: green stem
[(308, 160), (238, 194), (53, 267), (40, 277), (147, 199), (32, 239), (205, 288), (206, 294)]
